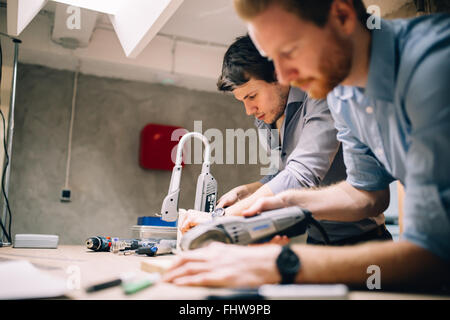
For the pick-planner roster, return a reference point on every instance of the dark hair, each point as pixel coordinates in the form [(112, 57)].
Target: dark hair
[(316, 11), (241, 62)]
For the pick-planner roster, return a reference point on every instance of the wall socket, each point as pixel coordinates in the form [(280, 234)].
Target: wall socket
[(65, 195)]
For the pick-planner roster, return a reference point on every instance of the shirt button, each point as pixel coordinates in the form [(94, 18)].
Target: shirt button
[(369, 110), (379, 152)]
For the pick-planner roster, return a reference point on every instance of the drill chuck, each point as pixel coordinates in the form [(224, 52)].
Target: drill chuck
[(98, 243)]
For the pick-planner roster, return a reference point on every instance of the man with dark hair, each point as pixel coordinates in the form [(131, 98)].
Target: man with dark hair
[(252, 80), (298, 128), (388, 91)]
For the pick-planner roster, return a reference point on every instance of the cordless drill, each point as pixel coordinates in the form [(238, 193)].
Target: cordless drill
[(99, 243)]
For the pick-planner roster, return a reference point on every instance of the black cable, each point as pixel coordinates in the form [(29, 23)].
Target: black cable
[(3, 179), (319, 227), (7, 234)]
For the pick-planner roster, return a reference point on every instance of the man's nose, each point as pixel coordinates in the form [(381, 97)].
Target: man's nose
[(250, 108), (286, 73)]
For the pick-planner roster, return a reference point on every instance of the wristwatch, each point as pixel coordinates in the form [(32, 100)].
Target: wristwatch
[(218, 212), (288, 264)]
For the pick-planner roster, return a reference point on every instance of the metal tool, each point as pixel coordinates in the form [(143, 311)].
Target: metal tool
[(161, 247), (291, 222), (206, 192), (129, 244), (99, 243), (149, 251)]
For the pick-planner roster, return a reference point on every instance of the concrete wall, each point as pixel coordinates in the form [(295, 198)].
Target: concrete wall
[(109, 188)]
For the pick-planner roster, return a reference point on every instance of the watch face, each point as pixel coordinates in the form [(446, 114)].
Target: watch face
[(289, 260), (288, 265), (218, 212)]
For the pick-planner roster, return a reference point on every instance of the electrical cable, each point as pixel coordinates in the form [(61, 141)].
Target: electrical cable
[(7, 234), (5, 226), (319, 227), (69, 145)]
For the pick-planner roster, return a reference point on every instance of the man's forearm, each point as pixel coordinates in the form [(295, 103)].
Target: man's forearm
[(399, 263), (253, 187), (340, 202), (238, 207)]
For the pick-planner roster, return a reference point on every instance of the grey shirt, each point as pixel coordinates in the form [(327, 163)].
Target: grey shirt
[(309, 156)]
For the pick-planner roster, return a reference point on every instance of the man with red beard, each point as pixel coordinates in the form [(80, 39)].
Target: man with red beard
[(387, 89)]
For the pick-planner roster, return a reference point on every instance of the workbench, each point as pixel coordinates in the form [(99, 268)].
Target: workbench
[(97, 267)]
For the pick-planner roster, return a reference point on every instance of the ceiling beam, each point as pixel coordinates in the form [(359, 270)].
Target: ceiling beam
[(104, 6), (138, 21), (20, 13)]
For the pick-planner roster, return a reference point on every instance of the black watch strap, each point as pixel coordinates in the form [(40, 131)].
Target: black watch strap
[(288, 264)]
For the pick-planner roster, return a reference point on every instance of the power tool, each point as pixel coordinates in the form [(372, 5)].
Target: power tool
[(206, 192), (290, 221), (99, 243), (130, 244)]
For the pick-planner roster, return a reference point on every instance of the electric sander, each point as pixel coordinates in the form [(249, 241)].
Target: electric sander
[(290, 222)]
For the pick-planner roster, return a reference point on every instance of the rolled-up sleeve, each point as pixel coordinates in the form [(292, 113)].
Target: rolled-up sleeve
[(427, 194), (364, 171), (309, 162), (268, 177)]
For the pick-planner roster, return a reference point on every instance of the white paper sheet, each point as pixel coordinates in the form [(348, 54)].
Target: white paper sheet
[(19, 279)]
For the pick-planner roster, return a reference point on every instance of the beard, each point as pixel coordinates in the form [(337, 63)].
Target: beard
[(335, 64), (278, 111)]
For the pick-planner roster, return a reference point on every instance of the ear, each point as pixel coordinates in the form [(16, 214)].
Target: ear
[(343, 16)]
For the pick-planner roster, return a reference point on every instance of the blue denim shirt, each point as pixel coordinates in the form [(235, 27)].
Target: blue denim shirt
[(398, 127), (309, 156)]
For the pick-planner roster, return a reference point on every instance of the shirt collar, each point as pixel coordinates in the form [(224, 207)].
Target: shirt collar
[(293, 103), (295, 95), (383, 63)]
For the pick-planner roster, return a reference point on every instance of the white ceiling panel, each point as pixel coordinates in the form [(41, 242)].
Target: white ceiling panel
[(213, 21)]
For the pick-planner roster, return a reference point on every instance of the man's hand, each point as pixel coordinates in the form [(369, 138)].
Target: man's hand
[(224, 265), (237, 194), (192, 218), (339, 202), (232, 196), (265, 204)]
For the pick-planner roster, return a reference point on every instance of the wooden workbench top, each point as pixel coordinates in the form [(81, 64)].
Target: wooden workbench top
[(96, 267)]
